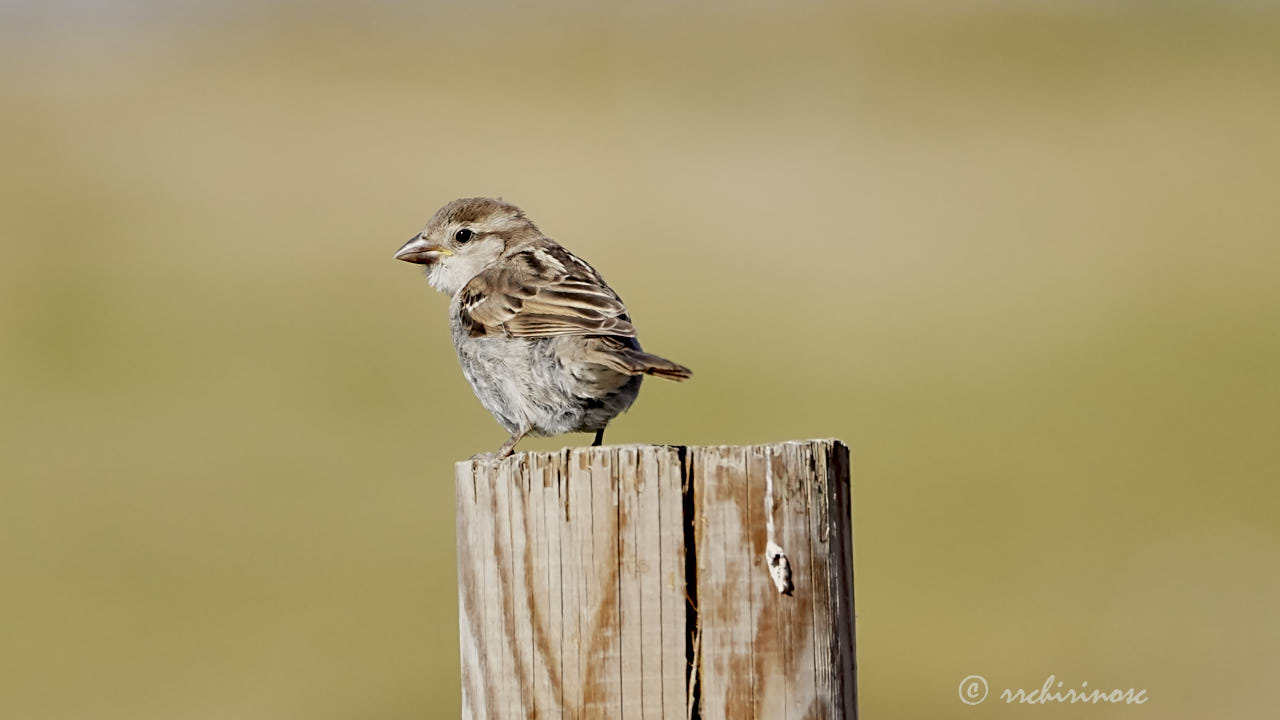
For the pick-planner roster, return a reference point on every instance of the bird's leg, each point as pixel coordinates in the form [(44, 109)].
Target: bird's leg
[(509, 446), (599, 438)]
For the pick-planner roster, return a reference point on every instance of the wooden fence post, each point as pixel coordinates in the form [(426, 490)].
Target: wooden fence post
[(654, 581)]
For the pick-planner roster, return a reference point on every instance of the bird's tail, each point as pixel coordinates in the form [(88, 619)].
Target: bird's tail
[(639, 362)]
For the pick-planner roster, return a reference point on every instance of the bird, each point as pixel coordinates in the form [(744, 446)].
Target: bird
[(547, 346)]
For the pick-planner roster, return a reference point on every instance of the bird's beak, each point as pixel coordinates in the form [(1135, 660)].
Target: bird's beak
[(419, 251)]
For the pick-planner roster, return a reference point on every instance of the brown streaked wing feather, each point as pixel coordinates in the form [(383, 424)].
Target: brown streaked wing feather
[(533, 325), (543, 292)]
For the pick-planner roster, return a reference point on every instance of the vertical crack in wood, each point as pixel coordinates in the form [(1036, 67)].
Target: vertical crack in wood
[(692, 627), (693, 707), (564, 476)]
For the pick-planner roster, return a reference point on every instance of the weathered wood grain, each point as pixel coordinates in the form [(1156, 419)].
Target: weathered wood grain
[(602, 582)]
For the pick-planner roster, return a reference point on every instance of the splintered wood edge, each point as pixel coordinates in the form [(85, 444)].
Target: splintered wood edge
[(487, 459)]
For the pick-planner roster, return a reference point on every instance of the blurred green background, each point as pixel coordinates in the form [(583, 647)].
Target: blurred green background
[(1023, 257)]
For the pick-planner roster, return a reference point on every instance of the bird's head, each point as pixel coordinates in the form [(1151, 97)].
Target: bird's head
[(464, 237)]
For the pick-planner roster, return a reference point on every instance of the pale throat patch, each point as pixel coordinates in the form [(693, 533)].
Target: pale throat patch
[(449, 274)]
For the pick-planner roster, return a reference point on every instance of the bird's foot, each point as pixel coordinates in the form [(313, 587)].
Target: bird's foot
[(509, 446)]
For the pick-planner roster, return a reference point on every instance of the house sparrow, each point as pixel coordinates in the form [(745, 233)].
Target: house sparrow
[(547, 346)]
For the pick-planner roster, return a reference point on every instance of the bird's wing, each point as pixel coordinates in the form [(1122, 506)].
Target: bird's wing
[(542, 291)]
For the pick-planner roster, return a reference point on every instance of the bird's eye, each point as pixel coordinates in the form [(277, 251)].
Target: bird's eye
[(462, 236)]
